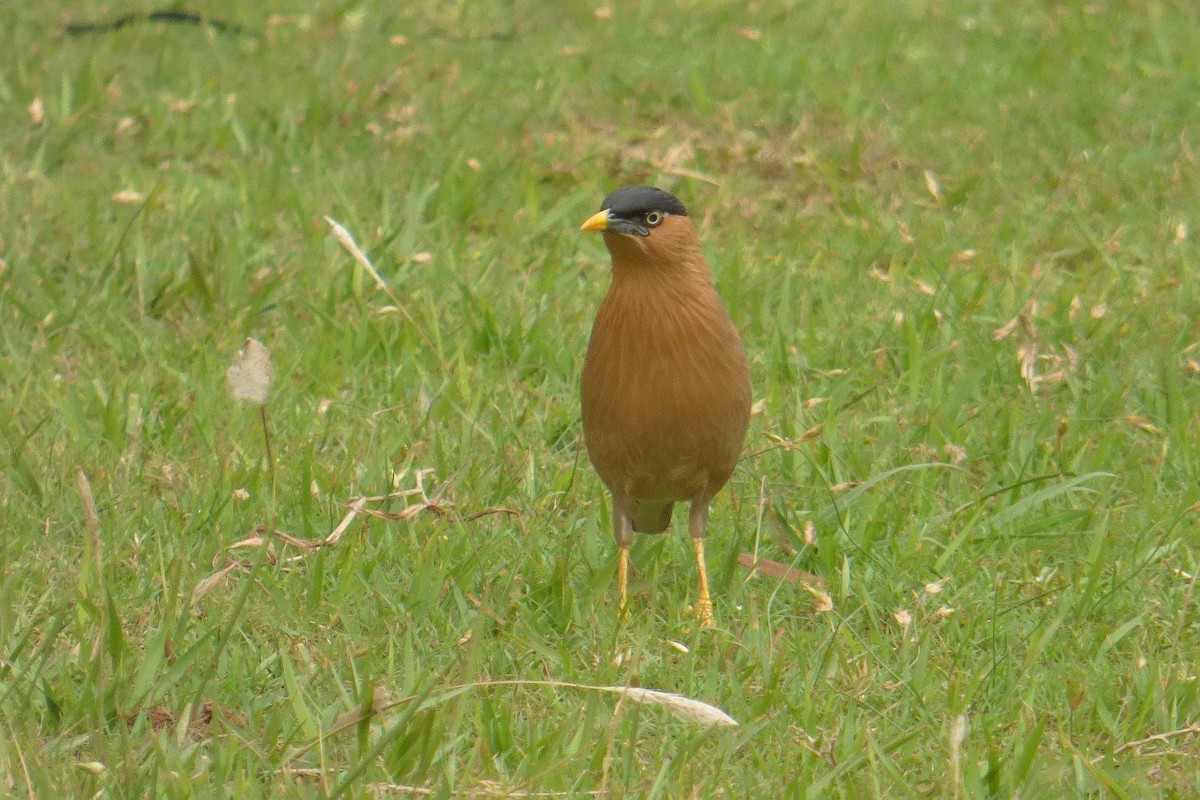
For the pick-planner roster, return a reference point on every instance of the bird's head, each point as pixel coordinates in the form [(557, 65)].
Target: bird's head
[(643, 223)]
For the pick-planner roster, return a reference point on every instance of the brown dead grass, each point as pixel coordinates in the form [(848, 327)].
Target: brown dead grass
[(801, 166), (200, 725)]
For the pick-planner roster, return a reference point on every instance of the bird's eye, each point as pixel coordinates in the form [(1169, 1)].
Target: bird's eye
[(654, 219)]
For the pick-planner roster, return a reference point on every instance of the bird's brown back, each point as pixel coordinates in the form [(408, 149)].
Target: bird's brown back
[(666, 388)]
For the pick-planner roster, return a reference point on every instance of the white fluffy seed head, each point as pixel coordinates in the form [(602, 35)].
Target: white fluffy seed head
[(682, 707), (251, 375)]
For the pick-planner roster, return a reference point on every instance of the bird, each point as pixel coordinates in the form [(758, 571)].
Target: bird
[(665, 393)]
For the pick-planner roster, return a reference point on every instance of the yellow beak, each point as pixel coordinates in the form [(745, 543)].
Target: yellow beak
[(596, 222)]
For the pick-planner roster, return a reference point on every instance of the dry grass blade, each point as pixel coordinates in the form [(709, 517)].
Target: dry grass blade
[(794, 444), (127, 197), (263, 537), (213, 581), (610, 742), (774, 569), (346, 240), (683, 707), (355, 716), (1006, 330), (356, 506), (1163, 738), (958, 733), (305, 546), (491, 510), (90, 516), (1027, 356), (440, 509), (923, 287), (933, 185), (379, 498), (257, 542), (1143, 424), (683, 172), (250, 541)]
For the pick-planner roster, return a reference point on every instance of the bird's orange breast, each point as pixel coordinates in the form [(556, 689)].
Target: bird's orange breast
[(666, 388)]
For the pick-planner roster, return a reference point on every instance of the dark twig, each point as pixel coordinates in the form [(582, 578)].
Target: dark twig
[(179, 17)]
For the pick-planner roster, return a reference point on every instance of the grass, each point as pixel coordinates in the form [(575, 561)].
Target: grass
[(880, 190)]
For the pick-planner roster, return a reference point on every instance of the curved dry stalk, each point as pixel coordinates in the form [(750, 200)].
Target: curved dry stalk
[(683, 707)]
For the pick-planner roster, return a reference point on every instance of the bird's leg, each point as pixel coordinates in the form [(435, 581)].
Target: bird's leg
[(623, 533), (704, 606), (623, 575), (698, 527)]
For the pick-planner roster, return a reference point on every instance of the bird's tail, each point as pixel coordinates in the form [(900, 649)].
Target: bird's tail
[(652, 517)]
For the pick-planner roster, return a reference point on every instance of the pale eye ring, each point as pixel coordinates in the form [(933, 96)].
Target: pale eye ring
[(654, 218)]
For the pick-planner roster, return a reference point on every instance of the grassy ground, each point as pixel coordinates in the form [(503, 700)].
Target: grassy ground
[(957, 237)]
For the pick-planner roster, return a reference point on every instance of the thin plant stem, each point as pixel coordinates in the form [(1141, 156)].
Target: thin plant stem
[(262, 414)]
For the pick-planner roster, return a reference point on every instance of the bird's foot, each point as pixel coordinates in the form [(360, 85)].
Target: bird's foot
[(704, 612), (704, 606)]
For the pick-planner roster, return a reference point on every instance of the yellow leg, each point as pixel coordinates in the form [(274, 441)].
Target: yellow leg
[(704, 606), (623, 575)]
